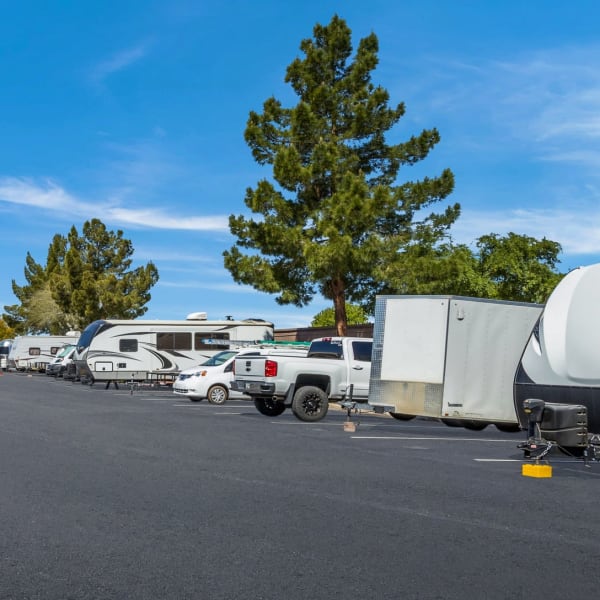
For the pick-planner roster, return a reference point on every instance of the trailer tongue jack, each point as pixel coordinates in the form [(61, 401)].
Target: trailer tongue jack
[(551, 426)]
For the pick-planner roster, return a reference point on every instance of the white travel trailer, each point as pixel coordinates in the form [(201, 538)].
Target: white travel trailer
[(449, 357), (4, 351), (35, 352), (138, 350)]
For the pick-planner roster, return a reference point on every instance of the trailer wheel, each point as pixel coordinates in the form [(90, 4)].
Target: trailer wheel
[(402, 417), (508, 427), (474, 425), (217, 394), (269, 407), (310, 403), (451, 422)]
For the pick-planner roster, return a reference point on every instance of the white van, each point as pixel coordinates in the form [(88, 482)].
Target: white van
[(63, 359), (211, 379)]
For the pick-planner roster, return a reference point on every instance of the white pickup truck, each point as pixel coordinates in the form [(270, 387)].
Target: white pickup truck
[(335, 369)]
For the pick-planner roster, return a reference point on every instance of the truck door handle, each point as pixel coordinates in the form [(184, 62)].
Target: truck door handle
[(357, 367)]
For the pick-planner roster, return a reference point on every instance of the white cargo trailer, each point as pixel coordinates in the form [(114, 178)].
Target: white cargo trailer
[(139, 350), (449, 357)]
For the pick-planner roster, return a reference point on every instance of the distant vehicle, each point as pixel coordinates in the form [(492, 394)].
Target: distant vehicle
[(137, 350), (64, 358), (4, 351), (334, 369), (35, 352), (212, 378)]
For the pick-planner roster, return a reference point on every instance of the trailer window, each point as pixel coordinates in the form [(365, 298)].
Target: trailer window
[(34, 351), (130, 345), (362, 351), (54, 350), (210, 340), (174, 341)]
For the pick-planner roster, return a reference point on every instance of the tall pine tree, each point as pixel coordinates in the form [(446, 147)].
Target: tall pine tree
[(336, 211)]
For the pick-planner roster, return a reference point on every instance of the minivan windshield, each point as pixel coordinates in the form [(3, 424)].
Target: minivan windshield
[(219, 359)]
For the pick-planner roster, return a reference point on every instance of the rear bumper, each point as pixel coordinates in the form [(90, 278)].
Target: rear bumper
[(253, 388)]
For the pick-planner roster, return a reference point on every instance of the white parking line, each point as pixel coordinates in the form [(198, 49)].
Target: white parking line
[(433, 439)]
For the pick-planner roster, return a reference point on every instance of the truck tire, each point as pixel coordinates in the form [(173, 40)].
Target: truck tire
[(402, 417), (269, 407), (310, 404), (217, 394)]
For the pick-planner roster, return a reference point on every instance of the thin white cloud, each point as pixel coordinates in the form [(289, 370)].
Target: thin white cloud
[(217, 287), (547, 101), (50, 196), (117, 62), (576, 235)]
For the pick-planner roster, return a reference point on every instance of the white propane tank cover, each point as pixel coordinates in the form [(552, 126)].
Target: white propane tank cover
[(196, 316), (571, 325)]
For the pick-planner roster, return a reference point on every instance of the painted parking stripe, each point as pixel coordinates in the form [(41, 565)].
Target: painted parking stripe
[(429, 438)]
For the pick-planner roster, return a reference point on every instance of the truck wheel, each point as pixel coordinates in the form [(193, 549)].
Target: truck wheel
[(402, 417), (217, 394), (269, 407), (310, 403)]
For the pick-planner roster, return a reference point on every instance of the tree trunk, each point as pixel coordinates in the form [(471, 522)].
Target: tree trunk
[(338, 294)]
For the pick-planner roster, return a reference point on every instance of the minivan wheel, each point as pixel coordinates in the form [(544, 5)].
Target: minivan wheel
[(217, 394)]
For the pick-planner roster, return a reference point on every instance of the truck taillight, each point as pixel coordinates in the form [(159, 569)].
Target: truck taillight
[(270, 368)]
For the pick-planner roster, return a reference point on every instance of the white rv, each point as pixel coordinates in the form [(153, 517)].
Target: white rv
[(35, 352), (138, 350), (449, 357)]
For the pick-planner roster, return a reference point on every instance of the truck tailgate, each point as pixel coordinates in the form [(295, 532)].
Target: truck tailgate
[(250, 367)]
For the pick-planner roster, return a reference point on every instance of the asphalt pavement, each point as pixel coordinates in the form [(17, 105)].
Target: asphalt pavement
[(109, 494)]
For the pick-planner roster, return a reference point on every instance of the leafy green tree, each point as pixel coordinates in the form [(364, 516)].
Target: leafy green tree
[(355, 315), (6, 332), (512, 267), (86, 277), (336, 210), (520, 267)]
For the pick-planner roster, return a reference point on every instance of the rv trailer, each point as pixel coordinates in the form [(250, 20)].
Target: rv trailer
[(35, 352), (557, 383), (449, 357), (138, 350)]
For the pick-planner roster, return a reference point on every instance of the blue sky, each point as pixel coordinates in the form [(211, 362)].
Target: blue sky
[(133, 112)]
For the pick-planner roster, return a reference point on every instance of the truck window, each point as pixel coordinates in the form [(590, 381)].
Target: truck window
[(326, 349), (362, 351)]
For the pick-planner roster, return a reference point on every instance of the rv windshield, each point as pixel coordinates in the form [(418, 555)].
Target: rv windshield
[(219, 359), (88, 334)]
